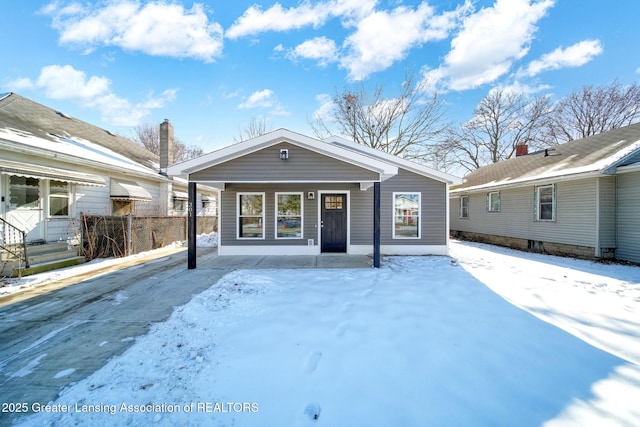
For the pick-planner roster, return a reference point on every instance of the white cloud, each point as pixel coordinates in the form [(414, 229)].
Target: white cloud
[(256, 20), (66, 83), (155, 28), (573, 56), (265, 98), (320, 49), (383, 38), (19, 84), (489, 42), (325, 110)]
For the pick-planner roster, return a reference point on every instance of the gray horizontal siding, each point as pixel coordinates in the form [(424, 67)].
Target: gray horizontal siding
[(228, 212), (607, 192), (433, 196), (575, 214), (433, 212), (303, 165), (628, 214)]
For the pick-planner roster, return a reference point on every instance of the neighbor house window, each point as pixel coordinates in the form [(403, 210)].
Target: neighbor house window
[(464, 206), (406, 213), (179, 205), (58, 198), (289, 216), (493, 201), (545, 203), (251, 215)]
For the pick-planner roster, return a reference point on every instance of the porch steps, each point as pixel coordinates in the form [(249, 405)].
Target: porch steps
[(44, 257)]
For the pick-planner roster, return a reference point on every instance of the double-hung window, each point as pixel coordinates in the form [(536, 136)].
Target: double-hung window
[(493, 201), (406, 214), (289, 216), (58, 198), (464, 206), (545, 207), (251, 215)]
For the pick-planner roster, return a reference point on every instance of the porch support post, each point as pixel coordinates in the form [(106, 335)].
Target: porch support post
[(191, 227), (376, 224)]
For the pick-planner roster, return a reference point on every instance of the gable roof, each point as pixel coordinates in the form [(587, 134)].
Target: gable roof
[(596, 155), (385, 169), (398, 161), (44, 129)]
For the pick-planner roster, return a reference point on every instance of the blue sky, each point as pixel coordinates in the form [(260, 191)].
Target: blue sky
[(210, 66)]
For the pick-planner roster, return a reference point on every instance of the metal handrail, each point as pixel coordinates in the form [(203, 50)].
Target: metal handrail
[(11, 237)]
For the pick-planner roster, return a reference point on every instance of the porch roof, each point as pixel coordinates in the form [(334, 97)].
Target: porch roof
[(128, 190), (9, 167)]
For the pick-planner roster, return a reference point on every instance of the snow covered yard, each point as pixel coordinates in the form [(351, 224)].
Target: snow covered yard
[(498, 338)]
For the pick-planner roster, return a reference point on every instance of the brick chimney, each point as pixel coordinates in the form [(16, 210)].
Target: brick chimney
[(522, 150), (166, 146)]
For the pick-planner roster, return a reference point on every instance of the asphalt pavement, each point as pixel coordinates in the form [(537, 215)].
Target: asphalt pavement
[(53, 338)]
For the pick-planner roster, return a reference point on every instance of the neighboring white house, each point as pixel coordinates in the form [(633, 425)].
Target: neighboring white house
[(54, 167), (581, 198)]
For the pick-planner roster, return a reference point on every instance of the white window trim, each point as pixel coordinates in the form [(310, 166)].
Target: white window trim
[(537, 203), (264, 230), (393, 215), (489, 204), (460, 212), (68, 196), (290, 193)]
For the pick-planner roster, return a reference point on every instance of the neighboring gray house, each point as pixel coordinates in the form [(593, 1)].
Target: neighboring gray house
[(581, 198), (284, 193)]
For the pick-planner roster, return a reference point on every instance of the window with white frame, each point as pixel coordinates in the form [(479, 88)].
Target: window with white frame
[(58, 198), (493, 201), (464, 206), (406, 214), (179, 205), (289, 215), (250, 215), (545, 203)]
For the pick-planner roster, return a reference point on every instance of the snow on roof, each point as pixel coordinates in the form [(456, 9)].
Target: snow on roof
[(72, 147), (45, 130), (596, 155)]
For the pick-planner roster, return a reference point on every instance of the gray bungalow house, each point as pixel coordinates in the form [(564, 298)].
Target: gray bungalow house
[(284, 193), (581, 198)]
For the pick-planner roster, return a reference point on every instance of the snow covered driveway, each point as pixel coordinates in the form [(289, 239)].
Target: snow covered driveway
[(423, 341)]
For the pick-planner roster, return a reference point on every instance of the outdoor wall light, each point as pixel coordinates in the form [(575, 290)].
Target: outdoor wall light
[(284, 154)]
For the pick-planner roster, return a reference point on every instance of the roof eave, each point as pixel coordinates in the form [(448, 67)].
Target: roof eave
[(528, 181)]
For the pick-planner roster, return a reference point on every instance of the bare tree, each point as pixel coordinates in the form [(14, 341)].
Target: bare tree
[(148, 136), (256, 126), (502, 120), (406, 125), (595, 109)]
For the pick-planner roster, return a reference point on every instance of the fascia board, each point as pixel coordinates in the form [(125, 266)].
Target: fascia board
[(526, 181), (405, 164)]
